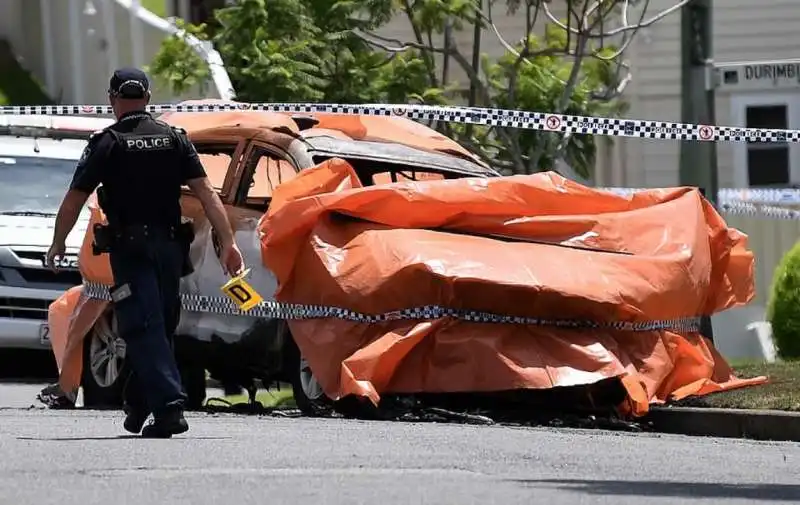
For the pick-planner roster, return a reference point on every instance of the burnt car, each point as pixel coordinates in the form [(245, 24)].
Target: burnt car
[(247, 155), (393, 263)]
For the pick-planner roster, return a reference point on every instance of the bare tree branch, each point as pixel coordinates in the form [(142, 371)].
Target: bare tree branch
[(586, 22), (426, 57), (393, 45), (622, 29), (457, 57)]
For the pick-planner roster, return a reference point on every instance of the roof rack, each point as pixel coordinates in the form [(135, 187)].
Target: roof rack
[(54, 127)]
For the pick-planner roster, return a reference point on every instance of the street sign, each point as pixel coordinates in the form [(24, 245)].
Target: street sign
[(758, 75)]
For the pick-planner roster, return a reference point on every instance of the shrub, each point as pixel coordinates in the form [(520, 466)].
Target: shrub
[(783, 307)]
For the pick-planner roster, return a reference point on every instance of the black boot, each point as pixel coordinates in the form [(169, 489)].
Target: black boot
[(134, 420), (170, 422), (134, 406)]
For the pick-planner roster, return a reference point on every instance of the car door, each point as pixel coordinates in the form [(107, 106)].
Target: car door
[(221, 157), (265, 165)]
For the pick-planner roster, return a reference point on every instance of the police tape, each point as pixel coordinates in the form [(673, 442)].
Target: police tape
[(761, 195), (271, 309), (764, 196), (544, 121), (497, 117), (747, 209)]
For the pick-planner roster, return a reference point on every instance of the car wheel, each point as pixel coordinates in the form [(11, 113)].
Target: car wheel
[(308, 395), (105, 369)]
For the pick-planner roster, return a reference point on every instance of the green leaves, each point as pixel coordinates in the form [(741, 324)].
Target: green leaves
[(332, 51), (176, 65)]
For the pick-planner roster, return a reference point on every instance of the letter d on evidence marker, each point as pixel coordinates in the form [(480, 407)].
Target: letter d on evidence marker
[(242, 293)]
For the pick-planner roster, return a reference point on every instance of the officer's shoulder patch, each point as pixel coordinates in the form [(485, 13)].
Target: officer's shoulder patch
[(96, 134)]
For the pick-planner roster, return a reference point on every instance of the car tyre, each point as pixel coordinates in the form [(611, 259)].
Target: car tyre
[(105, 369), (308, 395)]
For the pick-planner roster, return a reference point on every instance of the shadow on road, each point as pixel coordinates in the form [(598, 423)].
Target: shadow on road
[(117, 437), (27, 366), (764, 492)]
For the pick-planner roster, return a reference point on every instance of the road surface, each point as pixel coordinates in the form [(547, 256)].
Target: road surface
[(84, 457)]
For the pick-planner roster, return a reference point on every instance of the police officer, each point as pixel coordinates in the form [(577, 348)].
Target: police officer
[(140, 164)]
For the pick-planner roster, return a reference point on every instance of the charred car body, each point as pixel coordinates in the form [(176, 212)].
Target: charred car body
[(479, 284), (247, 155)]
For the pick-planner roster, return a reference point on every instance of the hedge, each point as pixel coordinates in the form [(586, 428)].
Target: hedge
[(783, 306)]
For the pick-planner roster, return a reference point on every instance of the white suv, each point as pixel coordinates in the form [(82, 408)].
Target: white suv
[(37, 159)]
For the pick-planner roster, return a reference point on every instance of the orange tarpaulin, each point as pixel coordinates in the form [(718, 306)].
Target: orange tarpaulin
[(537, 246)]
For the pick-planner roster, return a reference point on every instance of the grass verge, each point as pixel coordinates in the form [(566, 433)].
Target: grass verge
[(275, 398), (781, 393)]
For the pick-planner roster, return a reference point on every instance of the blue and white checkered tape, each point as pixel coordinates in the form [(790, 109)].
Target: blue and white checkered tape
[(767, 199), (563, 123), (498, 117), (270, 309), (759, 211)]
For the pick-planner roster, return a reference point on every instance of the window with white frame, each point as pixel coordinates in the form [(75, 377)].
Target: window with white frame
[(766, 164)]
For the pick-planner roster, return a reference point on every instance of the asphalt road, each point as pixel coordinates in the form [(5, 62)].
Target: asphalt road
[(84, 457)]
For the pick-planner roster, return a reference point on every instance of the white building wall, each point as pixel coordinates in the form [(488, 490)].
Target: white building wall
[(743, 31), (86, 41)]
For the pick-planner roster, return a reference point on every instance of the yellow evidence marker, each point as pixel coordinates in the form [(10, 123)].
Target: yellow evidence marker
[(242, 293)]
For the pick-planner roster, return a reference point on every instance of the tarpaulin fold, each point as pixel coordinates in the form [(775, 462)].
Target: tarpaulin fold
[(529, 246)]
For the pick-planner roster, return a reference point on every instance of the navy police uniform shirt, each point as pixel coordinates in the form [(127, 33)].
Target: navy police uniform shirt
[(142, 164)]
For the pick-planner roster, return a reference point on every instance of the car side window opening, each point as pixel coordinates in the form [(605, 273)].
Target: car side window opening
[(216, 160), (268, 172), (371, 172), (405, 175)]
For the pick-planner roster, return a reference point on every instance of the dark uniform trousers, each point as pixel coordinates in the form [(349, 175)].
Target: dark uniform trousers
[(148, 318), (139, 165)]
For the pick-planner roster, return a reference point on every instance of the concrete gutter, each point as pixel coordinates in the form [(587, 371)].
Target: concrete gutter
[(726, 423)]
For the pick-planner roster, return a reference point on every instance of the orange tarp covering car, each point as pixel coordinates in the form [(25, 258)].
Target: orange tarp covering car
[(538, 246)]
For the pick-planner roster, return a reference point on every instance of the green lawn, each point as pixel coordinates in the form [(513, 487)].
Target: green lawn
[(158, 7), (273, 398), (781, 393)]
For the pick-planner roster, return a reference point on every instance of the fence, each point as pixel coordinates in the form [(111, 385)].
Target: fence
[(72, 46), (770, 218)]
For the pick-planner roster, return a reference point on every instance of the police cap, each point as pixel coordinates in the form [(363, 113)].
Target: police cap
[(130, 83)]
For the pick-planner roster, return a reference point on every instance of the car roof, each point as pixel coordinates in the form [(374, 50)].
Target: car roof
[(394, 153), (56, 123), (387, 129), (67, 149)]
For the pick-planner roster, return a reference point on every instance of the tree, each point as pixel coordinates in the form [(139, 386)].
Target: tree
[(334, 51), (177, 64)]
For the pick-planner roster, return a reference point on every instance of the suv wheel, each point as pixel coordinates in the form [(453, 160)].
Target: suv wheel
[(104, 366), (308, 394)]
